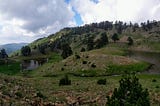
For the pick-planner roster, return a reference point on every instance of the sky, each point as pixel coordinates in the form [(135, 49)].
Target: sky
[(28, 20)]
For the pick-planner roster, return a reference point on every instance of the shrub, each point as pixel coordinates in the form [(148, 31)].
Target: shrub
[(84, 62), (154, 80), (39, 94), (77, 56), (62, 69), (130, 41), (157, 86), (93, 65), (19, 94), (83, 49), (129, 93), (65, 81), (101, 82)]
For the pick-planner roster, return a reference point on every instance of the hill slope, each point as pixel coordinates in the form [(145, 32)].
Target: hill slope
[(145, 37)]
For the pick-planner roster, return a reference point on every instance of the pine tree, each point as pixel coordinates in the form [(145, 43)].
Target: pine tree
[(129, 93)]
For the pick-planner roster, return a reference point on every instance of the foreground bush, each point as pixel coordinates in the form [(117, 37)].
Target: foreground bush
[(101, 82), (129, 93), (65, 81)]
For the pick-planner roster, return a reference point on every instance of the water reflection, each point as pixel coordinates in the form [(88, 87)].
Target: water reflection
[(32, 64), (150, 57)]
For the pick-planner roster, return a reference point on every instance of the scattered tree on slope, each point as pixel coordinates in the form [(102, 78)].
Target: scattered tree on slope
[(129, 93)]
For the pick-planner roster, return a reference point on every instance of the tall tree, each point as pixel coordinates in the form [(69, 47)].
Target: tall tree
[(42, 48), (130, 41), (103, 40), (115, 37), (90, 43), (66, 50), (3, 54), (25, 50)]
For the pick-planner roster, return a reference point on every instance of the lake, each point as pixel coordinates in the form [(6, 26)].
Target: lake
[(32, 64)]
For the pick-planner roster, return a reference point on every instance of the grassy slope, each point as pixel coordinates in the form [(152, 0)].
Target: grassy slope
[(45, 80), (108, 60)]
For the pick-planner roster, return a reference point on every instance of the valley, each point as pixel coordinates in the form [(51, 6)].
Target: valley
[(84, 55)]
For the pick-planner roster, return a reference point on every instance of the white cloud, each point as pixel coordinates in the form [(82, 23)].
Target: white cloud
[(124, 10), (26, 20)]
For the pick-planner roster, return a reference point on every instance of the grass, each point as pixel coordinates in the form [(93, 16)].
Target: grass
[(55, 57), (10, 68), (87, 87), (109, 50), (121, 69), (44, 81)]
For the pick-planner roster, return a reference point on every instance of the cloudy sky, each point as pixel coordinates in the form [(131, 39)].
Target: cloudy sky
[(27, 20)]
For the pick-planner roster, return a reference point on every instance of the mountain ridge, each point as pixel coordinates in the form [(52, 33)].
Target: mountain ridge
[(12, 47)]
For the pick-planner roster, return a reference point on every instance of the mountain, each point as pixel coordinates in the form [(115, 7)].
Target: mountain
[(12, 47), (84, 56), (146, 36)]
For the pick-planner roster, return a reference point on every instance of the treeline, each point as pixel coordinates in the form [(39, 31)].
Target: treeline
[(119, 26), (87, 35), (62, 44)]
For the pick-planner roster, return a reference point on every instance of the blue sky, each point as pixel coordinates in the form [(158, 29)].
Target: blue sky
[(77, 16)]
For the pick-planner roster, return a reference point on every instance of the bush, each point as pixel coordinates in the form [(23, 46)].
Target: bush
[(93, 65), (19, 94), (39, 94), (101, 82), (84, 62), (83, 49), (129, 93), (157, 86), (154, 80), (65, 81), (62, 69), (77, 56)]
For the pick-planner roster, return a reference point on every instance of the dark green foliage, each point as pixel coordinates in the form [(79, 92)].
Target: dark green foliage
[(154, 80), (64, 81), (115, 37), (3, 54), (135, 26), (130, 41), (90, 43), (119, 26), (19, 94), (77, 56), (93, 65), (103, 40), (67, 51), (129, 93), (10, 68), (62, 69), (39, 94), (26, 51), (41, 49), (101, 82), (84, 62), (2, 62), (83, 49)]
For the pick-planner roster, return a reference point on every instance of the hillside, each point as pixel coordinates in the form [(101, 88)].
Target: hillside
[(84, 56), (146, 37)]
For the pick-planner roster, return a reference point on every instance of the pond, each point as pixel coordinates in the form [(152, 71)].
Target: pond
[(32, 64), (150, 57)]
